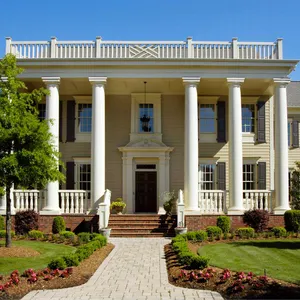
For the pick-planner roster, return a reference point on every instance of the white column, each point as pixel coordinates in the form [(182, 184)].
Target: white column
[(235, 147), (281, 147), (191, 144), (98, 139), (52, 115)]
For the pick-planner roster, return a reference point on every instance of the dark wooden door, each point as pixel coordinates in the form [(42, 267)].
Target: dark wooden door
[(145, 191)]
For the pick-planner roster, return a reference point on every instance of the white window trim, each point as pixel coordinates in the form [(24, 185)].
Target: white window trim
[(151, 98), (78, 161), (250, 137), (290, 142), (208, 161), (81, 136), (206, 137)]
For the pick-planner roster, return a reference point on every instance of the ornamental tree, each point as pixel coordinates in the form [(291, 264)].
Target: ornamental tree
[(27, 156), (295, 187)]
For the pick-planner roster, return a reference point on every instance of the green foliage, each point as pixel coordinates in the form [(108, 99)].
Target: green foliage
[(3, 233), (169, 198), (118, 203), (2, 223), (67, 234), (245, 232), (58, 224), (84, 237), (71, 260), (257, 219), (214, 231), (36, 234), (292, 220), (26, 221), (279, 231), (224, 223), (102, 239), (197, 236), (295, 187), (57, 263)]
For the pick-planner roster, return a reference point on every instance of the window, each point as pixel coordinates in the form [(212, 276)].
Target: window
[(146, 118), (84, 177), (248, 177), (207, 176), (42, 111), (207, 118), (85, 117), (248, 118)]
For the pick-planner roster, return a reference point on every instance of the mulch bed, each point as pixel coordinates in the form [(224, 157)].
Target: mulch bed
[(80, 275), (16, 251), (248, 288)]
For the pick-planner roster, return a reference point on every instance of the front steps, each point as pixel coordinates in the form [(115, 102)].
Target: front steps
[(142, 225)]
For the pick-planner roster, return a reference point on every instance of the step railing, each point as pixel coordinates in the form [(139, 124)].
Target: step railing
[(104, 210), (212, 201), (180, 210), (145, 49), (73, 201), (257, 199)]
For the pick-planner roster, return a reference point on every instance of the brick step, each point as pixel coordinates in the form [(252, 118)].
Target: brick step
[(155, 229), (132, 217), (145, 235), (139, 225)]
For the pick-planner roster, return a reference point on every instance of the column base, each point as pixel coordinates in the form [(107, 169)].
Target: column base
[(280, 210), (161, 211), (235, 211), (50, 212)]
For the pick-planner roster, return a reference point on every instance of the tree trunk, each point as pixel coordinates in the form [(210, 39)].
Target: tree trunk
[(8, 217)]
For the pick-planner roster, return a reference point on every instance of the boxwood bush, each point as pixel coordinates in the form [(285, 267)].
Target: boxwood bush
[(71, 260), (36, 234), (67, 234), (84, 237), (214, 231), (279, 231), (245, 232), (292, 220), (58, 224), (3, 233), (57, 263), (223, 222)]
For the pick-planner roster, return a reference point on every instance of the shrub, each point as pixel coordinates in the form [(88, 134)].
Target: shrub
[(84, 237), (201, 235), (57, 263), (279, 231), (71, 260), (224, 223), (246, 232), (2, 223), (191, 236), (102, 239), (292, 220), (199, 262), (3, 233), (214, 231), (26, 221), (258, 219), (67, 234), (58, 224), (36, 234)]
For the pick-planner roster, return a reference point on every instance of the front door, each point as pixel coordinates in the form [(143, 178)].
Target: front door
[(145, 191)]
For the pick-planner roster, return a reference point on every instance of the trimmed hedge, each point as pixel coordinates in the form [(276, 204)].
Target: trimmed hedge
[(3, 233), (223, 222), (67, 234), (71, 260), (257, 219), (185, 256), (279, 231), (214, 231), (2, 223), (36, 234), (292, 220), (57, 263), (58, 224), (197, 236), (26, 221), (245, 232), (84, 237)]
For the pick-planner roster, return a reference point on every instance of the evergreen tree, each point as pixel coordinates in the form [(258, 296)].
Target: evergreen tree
[(27, 156), (295, 187)]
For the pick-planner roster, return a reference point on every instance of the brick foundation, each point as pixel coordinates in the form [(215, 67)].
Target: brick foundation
[(196, 222)]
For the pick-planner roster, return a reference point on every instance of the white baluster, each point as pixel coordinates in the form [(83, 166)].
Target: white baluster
[(81, 199), (252, 200), (215, 203), (261, 195), (21, 200), (35, 200), (67, 203), (26, 201), (266, 198), (76, 203), (17, 200), (62, 202), (72, 203), (256, 200), (30, 206)]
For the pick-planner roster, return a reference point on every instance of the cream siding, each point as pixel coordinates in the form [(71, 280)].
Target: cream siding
[(294, 153)]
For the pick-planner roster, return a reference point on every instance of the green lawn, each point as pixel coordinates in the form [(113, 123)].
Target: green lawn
[(281, 258), (47, 252)]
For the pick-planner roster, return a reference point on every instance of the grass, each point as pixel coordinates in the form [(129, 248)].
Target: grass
[(280, 258), (47, 251)]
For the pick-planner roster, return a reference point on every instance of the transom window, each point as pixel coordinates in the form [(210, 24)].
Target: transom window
[(85, 117), (207, 118), (248, 117), (207, 176), (248, 177), (42, 111), (146, 117)]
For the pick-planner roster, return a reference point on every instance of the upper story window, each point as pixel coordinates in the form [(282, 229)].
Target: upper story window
[(84, 117), (207, 116), (248, 118), (42, 111), (146, 118)]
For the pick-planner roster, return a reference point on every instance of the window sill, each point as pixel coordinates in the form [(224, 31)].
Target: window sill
[(208, 138), (249, 138)]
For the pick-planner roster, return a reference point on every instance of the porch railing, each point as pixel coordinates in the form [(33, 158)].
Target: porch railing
[(258, 199), (73, 201), (104, 210), (145, 49), (212, 201), (28, 200)]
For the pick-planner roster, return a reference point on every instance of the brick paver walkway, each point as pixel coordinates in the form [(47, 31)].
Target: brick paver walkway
[(135, 269)]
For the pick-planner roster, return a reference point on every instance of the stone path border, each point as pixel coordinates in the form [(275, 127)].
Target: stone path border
[(134, 270)]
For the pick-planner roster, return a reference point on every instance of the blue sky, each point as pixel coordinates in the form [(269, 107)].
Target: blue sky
[(216, 20)]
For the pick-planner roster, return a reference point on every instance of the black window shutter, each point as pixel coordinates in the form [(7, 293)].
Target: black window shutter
[(70, 175), (262, 172), (221, 176), (71, 121), (60, 120), (295, 129), (261, 122), (221, 111)]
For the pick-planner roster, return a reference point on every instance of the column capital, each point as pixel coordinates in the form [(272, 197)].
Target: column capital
[(282, 82), (97, 80), (235, 81), (191, 80), (51, 80)]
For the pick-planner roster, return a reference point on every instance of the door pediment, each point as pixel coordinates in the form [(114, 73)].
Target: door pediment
[(151, 145)]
